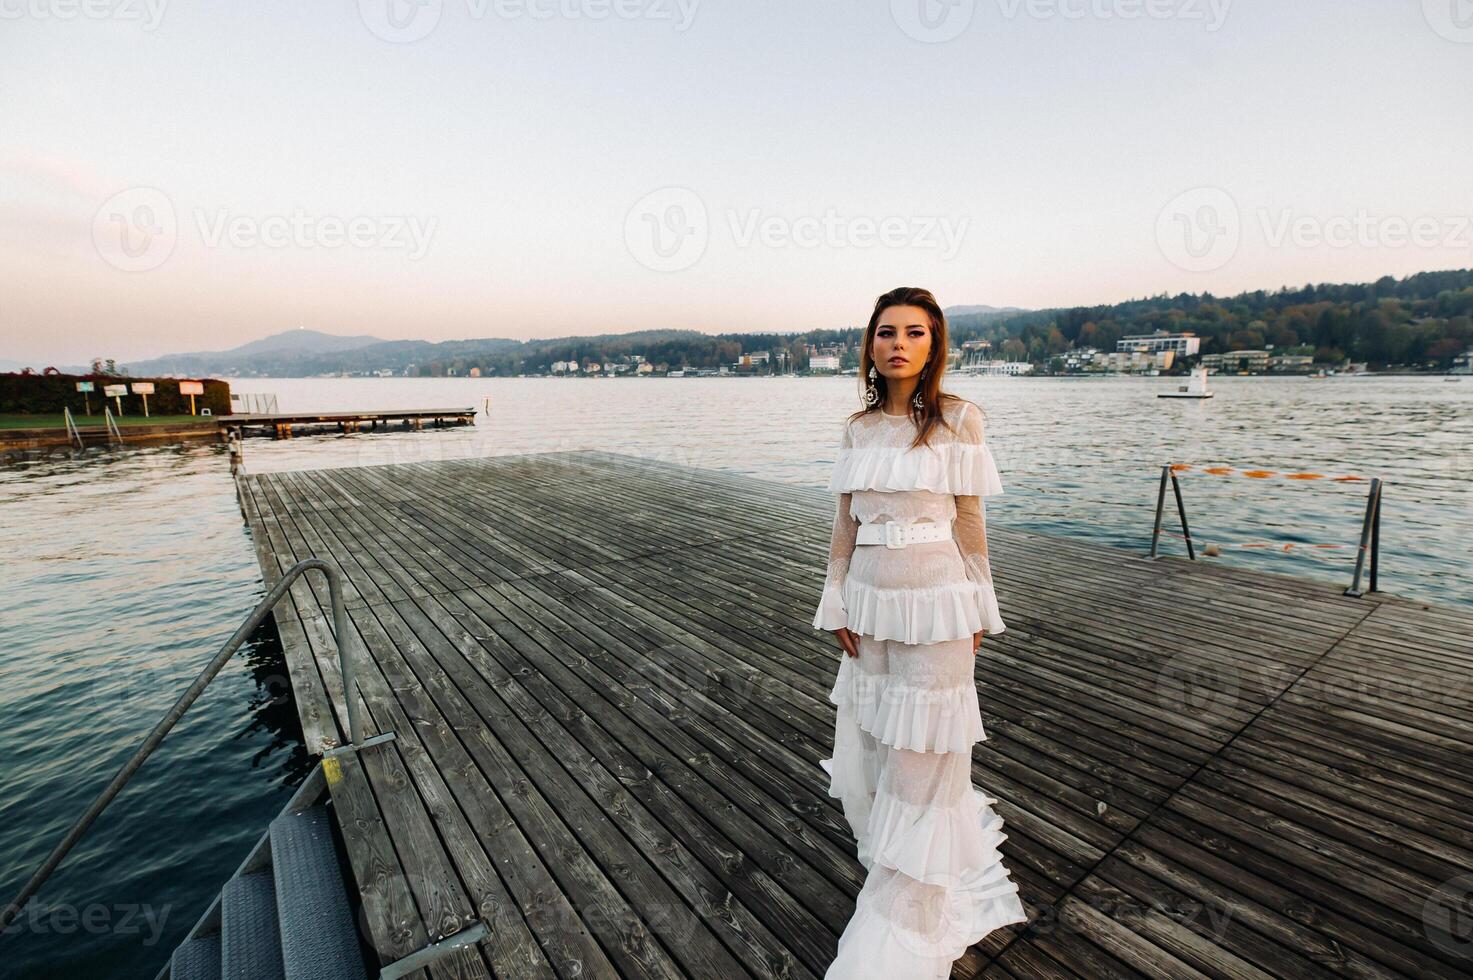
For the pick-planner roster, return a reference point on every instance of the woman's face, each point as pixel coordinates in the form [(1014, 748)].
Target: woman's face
[(902, 341)]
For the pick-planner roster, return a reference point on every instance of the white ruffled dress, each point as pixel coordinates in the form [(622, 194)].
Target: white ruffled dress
[(907, 708)]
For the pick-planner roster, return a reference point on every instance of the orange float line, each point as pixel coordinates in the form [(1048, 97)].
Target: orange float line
[(1265, 474)]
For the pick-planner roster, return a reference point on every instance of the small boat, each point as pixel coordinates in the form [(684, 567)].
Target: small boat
[(1195, 388), (1319, 375)]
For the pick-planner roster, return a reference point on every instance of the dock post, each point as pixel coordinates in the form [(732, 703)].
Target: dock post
[(1180, 509), (1160, 504), (1376, 537), (1368, 523)]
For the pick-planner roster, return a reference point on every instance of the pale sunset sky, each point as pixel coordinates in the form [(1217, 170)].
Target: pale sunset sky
[(181, 176)]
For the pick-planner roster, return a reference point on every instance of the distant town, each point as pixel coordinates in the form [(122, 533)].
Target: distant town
[(1419, 324)]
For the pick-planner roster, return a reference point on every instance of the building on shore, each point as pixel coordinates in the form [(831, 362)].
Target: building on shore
[(1185, 344), (1135, 361), (1252, 361)]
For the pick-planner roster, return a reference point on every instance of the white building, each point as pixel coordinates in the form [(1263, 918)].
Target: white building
[(1181, 344), (824, 362), (1001, 368)]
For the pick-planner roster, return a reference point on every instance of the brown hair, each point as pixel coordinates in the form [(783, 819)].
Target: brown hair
[(926, 417)]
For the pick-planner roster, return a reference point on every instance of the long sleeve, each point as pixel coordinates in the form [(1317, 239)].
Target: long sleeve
[(831, 614), (970, 532)]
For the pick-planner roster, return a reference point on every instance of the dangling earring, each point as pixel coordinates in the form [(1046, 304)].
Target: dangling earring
[(871, 393), (918, 401)]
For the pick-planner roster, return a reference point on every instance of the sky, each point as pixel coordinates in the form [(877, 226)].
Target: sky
[(179, 176)]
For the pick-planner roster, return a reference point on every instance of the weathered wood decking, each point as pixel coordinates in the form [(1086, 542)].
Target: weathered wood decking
[(610, 709)]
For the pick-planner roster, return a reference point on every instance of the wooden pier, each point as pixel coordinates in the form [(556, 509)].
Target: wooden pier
[(610, 707), (281, 424)]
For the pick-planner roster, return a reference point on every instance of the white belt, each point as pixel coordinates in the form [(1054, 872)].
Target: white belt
[(897, 534)]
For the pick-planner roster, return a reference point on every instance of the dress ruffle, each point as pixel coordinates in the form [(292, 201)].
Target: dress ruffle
[(935, 883), (918, 615), (947, 719), (929, 843), (966, 469), (880, 944)]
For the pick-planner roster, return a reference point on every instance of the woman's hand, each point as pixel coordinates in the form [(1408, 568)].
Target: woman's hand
[(848, 639), (977, 641)]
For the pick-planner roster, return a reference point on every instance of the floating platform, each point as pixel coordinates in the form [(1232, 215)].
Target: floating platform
[(610, 708), (281, 424)]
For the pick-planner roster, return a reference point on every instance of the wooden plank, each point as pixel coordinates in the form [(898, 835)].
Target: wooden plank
[(611, 699)]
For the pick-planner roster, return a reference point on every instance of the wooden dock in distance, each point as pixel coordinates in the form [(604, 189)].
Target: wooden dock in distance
[(610, 709), (280, 424)]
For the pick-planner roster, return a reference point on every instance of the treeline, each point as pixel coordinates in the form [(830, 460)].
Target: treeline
[(1423, 320), (48, 394)]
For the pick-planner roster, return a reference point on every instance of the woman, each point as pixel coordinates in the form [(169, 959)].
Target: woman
[(909, 596)]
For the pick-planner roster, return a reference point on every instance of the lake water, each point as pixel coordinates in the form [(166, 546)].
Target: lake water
[(126, 570)]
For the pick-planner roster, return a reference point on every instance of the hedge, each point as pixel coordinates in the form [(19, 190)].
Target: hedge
[(48, 394)]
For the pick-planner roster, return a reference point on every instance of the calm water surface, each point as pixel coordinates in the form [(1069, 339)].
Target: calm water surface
[(125, 570)]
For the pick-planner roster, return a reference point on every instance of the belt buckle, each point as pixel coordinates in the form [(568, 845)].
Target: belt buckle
[(894, 535)]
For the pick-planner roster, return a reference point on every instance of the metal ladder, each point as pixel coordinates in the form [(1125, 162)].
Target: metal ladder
[(298, 849)]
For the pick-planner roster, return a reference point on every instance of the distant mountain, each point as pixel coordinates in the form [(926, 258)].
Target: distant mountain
[(285, 347), (303, 341), (7, 365)]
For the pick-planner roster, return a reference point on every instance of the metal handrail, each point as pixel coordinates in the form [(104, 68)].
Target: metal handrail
[(1370, 532), (350, 690), (72, 432)]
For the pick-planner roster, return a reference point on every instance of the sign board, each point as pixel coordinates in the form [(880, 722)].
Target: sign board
[(143, 387), (85, 386), (191, 387), (114, 391)]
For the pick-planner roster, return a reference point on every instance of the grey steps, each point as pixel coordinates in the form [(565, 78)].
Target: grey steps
[(198, 959), (319, 937), (250, 938)]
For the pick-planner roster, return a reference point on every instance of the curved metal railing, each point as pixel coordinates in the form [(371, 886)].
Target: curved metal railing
[(350, 690)]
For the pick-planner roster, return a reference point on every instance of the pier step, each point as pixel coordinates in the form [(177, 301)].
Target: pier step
[(198, 959), (319, 940), (250, 937), (290, 919)]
